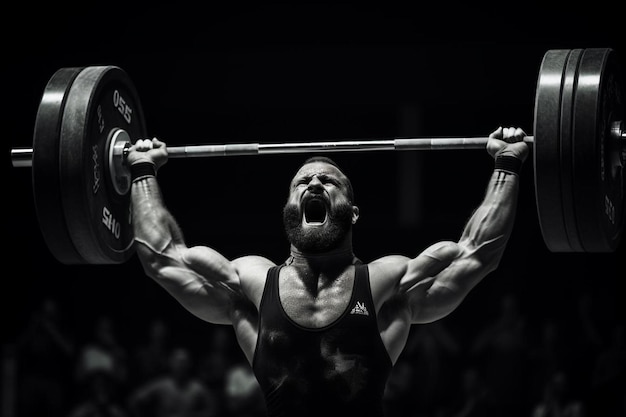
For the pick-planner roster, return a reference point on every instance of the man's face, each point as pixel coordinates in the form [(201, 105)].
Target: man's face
[(318, 213)]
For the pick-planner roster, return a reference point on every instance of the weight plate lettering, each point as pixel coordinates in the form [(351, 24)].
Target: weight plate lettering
[(101, 100)]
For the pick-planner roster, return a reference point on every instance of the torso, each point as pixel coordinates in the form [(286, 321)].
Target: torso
[(318, 338), (317, 306)]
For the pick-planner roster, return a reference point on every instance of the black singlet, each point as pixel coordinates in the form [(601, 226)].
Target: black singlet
[(341, 368)]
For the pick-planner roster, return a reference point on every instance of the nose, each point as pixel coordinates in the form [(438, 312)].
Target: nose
[(315, 185)]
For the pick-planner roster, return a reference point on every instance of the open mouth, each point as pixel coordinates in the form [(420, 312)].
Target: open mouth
[(315, 211)]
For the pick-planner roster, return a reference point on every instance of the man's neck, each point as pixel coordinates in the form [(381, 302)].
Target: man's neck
[(337, 257), (319, 270)]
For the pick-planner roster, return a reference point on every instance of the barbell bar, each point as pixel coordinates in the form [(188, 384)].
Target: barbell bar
[(89, 116), (22, 157)]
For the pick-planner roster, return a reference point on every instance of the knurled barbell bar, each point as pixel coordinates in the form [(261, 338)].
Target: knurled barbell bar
[(89, 116)]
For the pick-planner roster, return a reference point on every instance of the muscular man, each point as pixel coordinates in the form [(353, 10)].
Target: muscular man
[(322, 329)]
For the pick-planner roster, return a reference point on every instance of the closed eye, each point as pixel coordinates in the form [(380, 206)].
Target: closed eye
[(324, 179), (328, 180)]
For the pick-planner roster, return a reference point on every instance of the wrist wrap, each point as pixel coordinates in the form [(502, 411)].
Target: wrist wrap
[(509, 164), (142, 170)]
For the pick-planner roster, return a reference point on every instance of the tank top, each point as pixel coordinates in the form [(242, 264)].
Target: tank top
[(341, 368)]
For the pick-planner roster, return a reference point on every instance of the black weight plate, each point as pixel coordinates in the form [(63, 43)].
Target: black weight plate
[(570, 80), (598, 172), (546, 150), (101, 99), (45, 167)]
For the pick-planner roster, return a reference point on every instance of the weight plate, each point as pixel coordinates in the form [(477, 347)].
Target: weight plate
[(45, 167), (101, 100), (570, 80), (597, 163), (546, 150)]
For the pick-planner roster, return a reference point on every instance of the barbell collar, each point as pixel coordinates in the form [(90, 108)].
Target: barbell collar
[(22, 157)]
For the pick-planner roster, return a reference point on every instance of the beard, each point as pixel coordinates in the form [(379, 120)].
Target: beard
[(320, 239)]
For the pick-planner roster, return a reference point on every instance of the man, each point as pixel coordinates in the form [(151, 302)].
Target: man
[(322, 330)]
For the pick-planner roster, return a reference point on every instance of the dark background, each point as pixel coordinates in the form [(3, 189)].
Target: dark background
[(316, 71)]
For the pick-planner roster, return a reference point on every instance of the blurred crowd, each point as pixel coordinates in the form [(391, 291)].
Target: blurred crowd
[(513, 367)]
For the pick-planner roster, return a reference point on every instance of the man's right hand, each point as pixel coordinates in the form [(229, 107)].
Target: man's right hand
[(148, 150)]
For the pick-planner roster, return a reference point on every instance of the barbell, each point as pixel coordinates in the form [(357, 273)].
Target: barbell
[(89, 116)]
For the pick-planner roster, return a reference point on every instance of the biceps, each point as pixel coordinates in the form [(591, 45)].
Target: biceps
[(428, 264), (211, 300), (438, 293), (203, 283)]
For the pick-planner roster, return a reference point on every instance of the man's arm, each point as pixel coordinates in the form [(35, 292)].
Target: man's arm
[(438, 279), (201, 279)]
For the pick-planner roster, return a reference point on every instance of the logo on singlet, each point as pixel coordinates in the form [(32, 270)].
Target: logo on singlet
[(360, 308)]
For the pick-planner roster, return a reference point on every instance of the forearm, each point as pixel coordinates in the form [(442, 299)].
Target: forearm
[(154, 227), (484, 238), (468, 261), (490, 226), (199, 278)]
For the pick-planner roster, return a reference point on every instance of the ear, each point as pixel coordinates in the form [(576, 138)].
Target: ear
[(355, 214)]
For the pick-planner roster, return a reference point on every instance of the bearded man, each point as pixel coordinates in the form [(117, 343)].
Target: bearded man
[(322, 330)]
